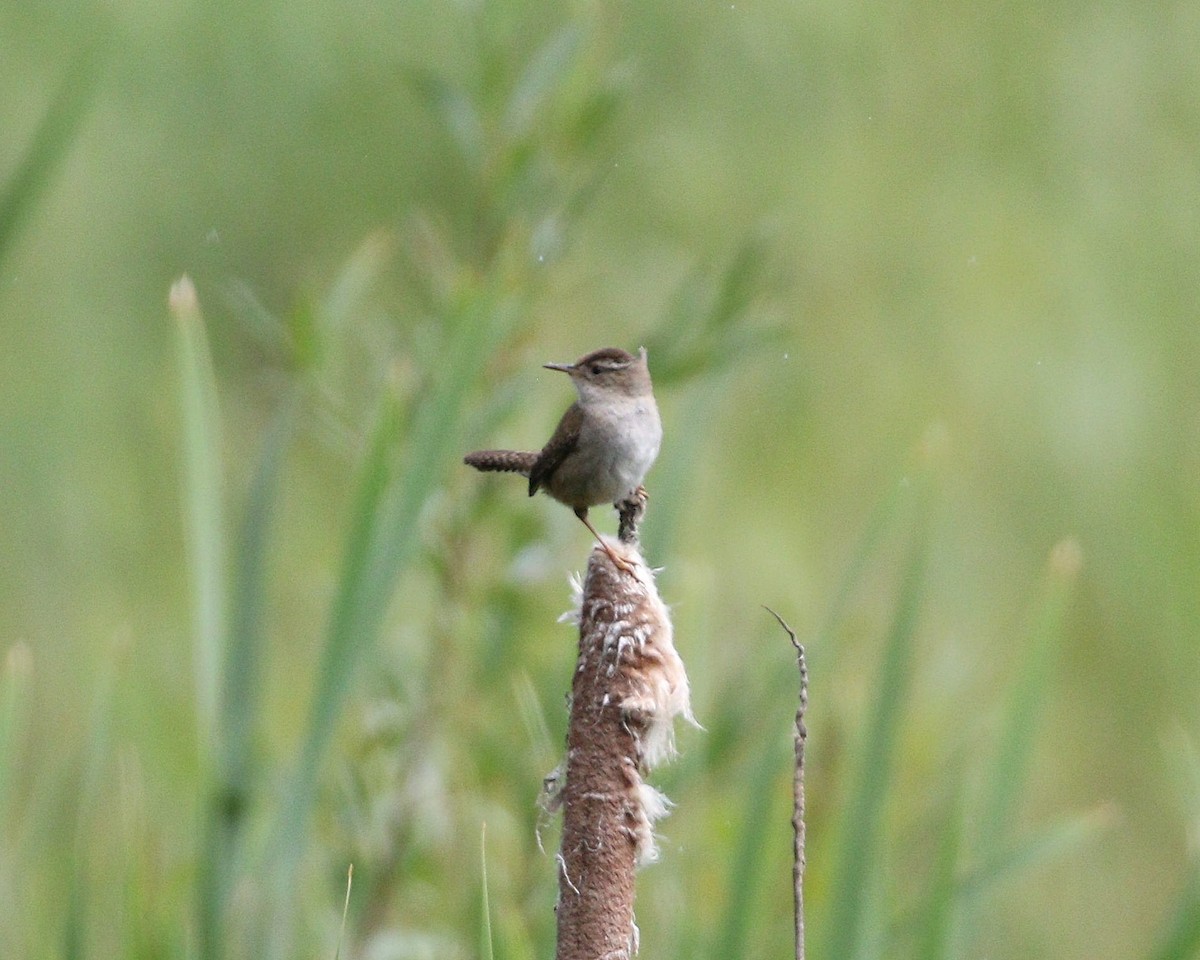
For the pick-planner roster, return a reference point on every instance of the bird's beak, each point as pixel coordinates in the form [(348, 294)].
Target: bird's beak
[(563, 367)]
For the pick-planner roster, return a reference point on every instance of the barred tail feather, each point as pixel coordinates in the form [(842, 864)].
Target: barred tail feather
[(505, 461)]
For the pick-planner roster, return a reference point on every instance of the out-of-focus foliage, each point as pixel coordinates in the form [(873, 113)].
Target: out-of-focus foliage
[(257, 622)]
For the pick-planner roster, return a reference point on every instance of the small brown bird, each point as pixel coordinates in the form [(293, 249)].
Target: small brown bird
[(605, 443)]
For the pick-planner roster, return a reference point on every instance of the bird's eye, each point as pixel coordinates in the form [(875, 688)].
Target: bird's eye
[(595, 368)]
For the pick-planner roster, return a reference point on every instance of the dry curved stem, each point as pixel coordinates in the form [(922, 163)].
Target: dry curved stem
[(801, 736), (629, 685)]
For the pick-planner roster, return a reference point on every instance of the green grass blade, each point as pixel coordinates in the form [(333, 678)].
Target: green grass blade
[(1044, 846), (382, 541), (337, 953), (675, 469), (542, 76), (743, 280), (880, 520), (1048, 845), (433, 444), (15, 689), (87, 800), (454, 109), (693, 339), (74, 929), (1011, 767), (701, 332), (202, 506), (14, 718), (1181, 938), (247, 640), (354, 282), (935, 938), (49, 146), (1181, 933), (372, 484), (487, 950), (858, 855), (749, 862), (232, 786)]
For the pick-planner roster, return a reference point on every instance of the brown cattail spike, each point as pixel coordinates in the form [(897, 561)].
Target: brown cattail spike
[(629, 687)]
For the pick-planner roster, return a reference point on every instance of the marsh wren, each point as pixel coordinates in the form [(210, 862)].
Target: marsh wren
[(604, 444)]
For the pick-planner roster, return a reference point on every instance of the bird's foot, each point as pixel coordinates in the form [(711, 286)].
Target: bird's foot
[(620, 562)]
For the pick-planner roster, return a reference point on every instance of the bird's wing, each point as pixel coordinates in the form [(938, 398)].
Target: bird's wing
[(566, 436)]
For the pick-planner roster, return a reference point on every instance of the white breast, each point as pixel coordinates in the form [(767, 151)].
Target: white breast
[(623, 443)]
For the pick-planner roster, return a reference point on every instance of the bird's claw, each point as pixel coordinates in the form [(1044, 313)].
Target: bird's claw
[(618, 561)]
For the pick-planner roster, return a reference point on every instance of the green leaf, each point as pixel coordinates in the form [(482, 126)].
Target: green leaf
[(247, 639), (595, 117), (747, 872), (485, 935), (1010, 770), (49, 146), (454, 110), (1047, 845), (14, 717), (337, 953), (383, 540), (287, 844), (231, 789), (704, 330), (935, 939), (541, 76), (1181, 937), (862, 827), (202, 504), (675, 469), (87, 798), (883, 515)]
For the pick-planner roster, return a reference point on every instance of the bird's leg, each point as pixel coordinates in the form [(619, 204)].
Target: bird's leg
[(619, 562)]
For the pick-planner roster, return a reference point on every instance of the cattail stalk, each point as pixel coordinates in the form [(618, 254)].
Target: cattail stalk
[(629, 685)]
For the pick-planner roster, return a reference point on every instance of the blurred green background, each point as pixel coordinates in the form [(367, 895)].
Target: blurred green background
[(920, 288)]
